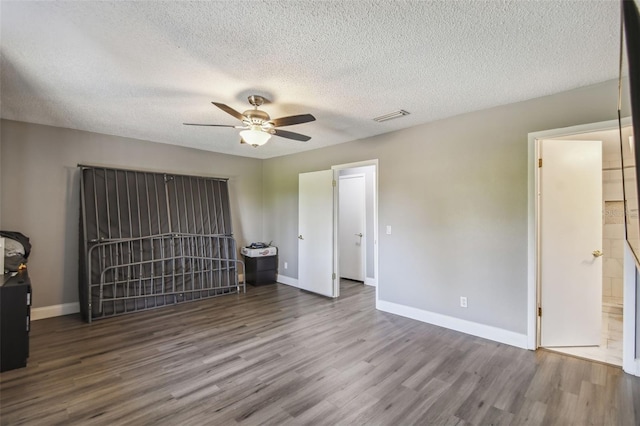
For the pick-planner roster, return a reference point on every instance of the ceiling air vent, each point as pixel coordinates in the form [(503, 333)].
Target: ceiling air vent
[(391, 116)]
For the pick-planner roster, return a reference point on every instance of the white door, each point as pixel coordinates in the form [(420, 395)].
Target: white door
[(352, 225), (315, 232), (570, 240)]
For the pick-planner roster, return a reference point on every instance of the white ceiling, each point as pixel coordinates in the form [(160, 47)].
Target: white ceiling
[(141, 69)]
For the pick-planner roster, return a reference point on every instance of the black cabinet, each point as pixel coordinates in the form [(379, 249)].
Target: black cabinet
[(15, 317), (261, 270)]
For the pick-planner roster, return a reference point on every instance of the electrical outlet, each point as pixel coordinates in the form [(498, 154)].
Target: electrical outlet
[(286, 265), (463, 302)]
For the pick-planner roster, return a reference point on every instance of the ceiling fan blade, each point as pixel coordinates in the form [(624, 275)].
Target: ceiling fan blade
[(229, 111), (291, 135), (209, 125), (293, 119)]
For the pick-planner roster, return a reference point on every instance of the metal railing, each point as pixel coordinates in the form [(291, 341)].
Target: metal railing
[(153, 239), (136, 274)]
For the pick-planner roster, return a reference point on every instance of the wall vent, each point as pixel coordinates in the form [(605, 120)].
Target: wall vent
[(391, 116)]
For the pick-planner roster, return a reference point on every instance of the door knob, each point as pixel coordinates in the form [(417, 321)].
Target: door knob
[(359, 235), (300, 237), (597, 253)]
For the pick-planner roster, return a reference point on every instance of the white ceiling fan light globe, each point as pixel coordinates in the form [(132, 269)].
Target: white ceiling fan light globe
[(255, 137)]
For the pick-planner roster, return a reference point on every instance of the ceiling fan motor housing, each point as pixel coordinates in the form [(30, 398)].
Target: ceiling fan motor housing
[(255, 116), (258, 118)]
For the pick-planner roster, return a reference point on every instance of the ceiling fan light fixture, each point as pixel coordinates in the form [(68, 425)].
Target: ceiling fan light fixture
[(255, 137), (257, 127)]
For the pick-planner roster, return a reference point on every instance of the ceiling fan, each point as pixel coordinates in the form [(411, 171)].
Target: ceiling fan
[(258, 126)]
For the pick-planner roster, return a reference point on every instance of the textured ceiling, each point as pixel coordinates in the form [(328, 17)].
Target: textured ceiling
[(141, 69)]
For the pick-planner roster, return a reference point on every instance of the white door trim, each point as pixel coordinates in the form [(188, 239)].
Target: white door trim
[(336, 174), (532, 273)]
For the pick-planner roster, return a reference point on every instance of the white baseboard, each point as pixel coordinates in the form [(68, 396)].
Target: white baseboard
[(479, 330), (54, 311), (370, 281), (283, 279)]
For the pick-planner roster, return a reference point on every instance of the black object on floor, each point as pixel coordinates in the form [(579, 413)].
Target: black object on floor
[(261, 270), (15, 320)]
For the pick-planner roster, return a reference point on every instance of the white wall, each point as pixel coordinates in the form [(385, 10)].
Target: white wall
[(40, 192)]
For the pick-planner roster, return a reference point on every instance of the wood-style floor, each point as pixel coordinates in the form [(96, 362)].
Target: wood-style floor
[(277, 355)]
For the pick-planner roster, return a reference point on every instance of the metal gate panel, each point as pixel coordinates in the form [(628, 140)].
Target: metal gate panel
[(153, 239)]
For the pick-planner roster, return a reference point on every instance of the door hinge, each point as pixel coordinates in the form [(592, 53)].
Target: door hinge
[(333, 276), (539, 311), (334, 183), (539, 162)]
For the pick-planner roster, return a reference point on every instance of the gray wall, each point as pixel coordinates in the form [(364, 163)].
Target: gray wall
[(369, 173), (40, 192), (455, 193)]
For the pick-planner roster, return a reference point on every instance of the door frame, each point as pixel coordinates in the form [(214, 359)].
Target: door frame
[(336, 176), (363, 239), (629, 363)]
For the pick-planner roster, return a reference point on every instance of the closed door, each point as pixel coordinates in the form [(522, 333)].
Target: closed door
[(570, 219), (315, 233), (351, 224)]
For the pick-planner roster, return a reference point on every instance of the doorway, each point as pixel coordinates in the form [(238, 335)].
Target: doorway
[(363, 176), (319, 268), (606, 261), (352, 219), (570, 232)]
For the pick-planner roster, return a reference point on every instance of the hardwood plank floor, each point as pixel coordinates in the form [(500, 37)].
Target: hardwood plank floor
[(277, 355)]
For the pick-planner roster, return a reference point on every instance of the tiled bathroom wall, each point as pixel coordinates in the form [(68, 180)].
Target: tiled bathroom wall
[(613, 226)]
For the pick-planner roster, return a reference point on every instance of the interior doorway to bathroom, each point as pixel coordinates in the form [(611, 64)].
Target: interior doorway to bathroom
[(607, 254)]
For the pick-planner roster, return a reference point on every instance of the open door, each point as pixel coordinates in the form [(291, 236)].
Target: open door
[(352, 226), (315, 233), (570, 262)]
